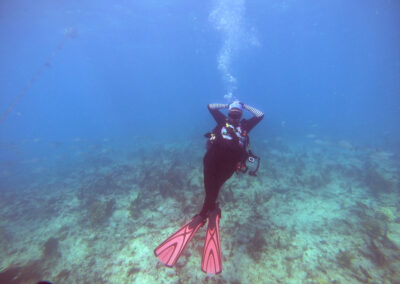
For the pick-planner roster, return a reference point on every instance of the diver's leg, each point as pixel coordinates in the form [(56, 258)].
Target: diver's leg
[(210, 184), (211, 187), (214, 177)]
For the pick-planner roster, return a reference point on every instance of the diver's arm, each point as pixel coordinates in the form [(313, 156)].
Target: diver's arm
[(253, 111), (215, 112), (257, 116)]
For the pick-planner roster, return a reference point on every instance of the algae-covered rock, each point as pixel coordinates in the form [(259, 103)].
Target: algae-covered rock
[(99, 212), (256, 245), (50, 248), (344, 259), (393, 234), (388, 213)]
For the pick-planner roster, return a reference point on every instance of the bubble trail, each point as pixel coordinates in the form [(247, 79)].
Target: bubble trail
[(228, 18)]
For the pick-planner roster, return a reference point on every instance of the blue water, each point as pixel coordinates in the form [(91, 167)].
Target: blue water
[(100, 75), (152, 68)]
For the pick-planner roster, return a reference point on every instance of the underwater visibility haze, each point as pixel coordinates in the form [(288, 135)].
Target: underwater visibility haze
[(103, 111)]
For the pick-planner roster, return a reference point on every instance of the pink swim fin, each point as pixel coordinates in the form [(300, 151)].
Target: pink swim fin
[(172, 248), (211, 262)]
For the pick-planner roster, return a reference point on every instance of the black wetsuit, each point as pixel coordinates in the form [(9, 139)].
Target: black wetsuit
[(223, 156)]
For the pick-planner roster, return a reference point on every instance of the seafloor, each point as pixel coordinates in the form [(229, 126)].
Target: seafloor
[(319, 211)]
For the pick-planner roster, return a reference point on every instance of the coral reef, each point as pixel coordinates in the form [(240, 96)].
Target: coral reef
[(100, 211), (50, 248), (133, 271), (375, 181), (344, 259), (375, 254), (256, 245), (62, 277), (314, 214), (372, 227)]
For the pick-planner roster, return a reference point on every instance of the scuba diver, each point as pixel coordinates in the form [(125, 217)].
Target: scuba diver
[(227, 151)]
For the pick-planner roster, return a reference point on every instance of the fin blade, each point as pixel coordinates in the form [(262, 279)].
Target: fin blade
[(211, 262), (172, 248)]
